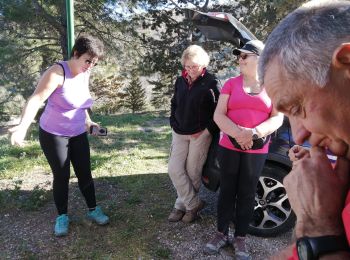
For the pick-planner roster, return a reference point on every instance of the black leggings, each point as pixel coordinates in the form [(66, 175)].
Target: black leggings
[(240, 173), (59, 152)]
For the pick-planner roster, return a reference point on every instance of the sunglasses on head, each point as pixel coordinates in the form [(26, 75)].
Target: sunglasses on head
[(243, 56)]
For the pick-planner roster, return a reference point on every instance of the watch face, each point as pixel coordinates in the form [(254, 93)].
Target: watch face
[(304, 250)]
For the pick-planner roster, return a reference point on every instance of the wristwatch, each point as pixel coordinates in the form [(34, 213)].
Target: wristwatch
[(255, 134), (311, 248)]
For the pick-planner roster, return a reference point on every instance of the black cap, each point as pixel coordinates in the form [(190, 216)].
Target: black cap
[(253, 46)]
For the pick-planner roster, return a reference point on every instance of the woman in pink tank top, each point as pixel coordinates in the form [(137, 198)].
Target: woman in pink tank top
[(63, 124), (245, 117)]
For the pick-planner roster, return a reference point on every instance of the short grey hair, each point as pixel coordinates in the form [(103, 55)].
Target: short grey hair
[(196, 54), (303, 43)]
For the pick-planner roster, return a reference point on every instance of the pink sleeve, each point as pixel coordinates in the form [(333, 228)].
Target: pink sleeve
[(226, 89)]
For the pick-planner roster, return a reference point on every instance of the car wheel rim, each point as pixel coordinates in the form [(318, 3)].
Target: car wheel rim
[(272, 207)]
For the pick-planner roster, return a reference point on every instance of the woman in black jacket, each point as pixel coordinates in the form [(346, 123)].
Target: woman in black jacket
[(192, 108)]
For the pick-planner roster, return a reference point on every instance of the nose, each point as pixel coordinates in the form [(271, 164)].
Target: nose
[(299, 132)]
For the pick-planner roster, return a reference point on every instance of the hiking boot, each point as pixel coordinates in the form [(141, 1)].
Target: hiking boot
[(176, 215), (98, 216), (61, 225), (218, 241), (192, 214), (241, 251)]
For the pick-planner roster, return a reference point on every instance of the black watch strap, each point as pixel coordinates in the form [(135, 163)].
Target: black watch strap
[(313, 247)]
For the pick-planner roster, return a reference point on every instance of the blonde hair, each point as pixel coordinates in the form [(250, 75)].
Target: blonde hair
[(196, 54)]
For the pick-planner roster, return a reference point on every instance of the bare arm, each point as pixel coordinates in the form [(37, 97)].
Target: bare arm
[(224, 123), (244, 135), (270, 125), (51, 79), (89, 122), (317, 191)]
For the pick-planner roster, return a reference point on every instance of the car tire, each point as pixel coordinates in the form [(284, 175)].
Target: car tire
[(272, 212)]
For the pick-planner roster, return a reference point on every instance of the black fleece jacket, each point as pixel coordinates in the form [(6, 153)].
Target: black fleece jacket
[(192, 108)]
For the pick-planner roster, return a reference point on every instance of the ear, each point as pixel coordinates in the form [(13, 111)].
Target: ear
[(341, 57), (75, 55)]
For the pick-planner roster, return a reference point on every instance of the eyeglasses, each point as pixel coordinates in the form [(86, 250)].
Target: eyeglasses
[(243, 56), (191, 67), (90, 62)]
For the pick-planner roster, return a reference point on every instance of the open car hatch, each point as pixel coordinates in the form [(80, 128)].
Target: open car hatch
[(219, 26)]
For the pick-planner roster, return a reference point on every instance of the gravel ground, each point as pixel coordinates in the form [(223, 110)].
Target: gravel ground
[(31, 234), (188, 240)]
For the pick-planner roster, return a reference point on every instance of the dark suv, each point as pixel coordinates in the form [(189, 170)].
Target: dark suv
[(272, 213)]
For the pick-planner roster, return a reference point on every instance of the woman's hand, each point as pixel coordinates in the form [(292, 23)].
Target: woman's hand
[(246, 146), (18, 133), (89, 123), (244, 137)]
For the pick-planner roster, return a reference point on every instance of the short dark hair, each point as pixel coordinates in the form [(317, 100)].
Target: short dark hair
[(88, 44)]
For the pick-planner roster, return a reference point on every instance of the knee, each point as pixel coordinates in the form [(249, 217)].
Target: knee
[(61, 176), (174, 169)]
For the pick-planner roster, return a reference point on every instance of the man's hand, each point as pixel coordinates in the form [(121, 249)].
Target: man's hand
[(317, 193), (298, 152)]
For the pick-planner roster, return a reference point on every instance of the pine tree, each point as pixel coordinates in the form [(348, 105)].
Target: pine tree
[(135, 95), (108, 94), (162, 91)]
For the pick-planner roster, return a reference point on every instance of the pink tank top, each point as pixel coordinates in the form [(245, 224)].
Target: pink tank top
[(64, 113), (245, 110)]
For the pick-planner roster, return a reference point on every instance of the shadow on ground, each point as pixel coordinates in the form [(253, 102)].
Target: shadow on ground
[(138, 207)]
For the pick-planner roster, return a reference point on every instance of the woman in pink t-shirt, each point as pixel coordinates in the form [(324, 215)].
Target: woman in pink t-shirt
[(245, 116)]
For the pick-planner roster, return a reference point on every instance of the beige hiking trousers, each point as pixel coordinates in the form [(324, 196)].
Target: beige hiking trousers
[(187, 157)]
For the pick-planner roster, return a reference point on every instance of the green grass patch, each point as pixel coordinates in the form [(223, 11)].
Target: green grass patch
[(129, 167)]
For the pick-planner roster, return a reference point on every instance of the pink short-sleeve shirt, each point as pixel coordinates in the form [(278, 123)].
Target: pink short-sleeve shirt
[(245, 110)]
